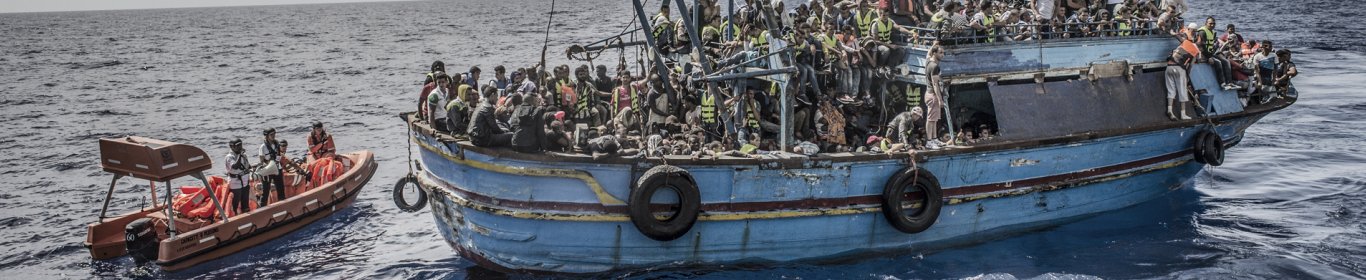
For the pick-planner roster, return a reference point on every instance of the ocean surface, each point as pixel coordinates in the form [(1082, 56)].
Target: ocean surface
[(1289, 203)]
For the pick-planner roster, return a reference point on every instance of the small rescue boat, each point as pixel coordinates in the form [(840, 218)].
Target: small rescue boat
[(194, 227)]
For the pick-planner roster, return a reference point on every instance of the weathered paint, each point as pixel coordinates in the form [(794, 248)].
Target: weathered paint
[(1037, 56), (572, 230)]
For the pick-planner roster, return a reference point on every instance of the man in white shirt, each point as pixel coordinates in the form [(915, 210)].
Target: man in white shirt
[(269, 154), (236, 163)]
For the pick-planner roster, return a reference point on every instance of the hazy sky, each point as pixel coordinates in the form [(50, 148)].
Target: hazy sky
[(19, 6)]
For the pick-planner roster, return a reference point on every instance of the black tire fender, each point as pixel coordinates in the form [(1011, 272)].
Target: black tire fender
[(689, 208), (1212, 149), (893, 196), (1198, 146), (401, 202)]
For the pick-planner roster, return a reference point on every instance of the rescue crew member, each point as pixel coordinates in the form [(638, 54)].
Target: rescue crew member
[(270, 154), (320, 143), (237, 164)]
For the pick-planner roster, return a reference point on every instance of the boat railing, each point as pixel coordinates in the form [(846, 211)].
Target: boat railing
[(924, 37)]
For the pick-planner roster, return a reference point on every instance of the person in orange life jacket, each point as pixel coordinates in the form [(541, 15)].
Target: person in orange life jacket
[(237, 164), (320, 143), (270, 153)]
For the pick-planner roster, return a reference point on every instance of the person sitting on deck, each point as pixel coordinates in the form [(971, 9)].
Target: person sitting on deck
[(500, 80), (472, 77), (1285, 70), (883, 29), (528, 125), (483, 128), (236, 165), (320, 144)]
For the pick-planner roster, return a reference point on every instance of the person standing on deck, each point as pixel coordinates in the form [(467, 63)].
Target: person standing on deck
[(436, 103), (269, 154), (933, 106), (237, 164), (1177, 64)]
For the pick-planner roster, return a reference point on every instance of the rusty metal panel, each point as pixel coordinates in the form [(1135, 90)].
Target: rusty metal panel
[(1030, 110)]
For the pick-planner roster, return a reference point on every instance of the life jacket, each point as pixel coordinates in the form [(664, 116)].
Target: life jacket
[(987, 21), (1208, 45), (561, 90), (760, 42), (662, 25), (585, 96), (751, 118), (937, 20), (864, 20), (913, 96), (620, 93), (1190, 47), (884, 30), (708, 108), (1122, 24), (828, 44), (728, 30)]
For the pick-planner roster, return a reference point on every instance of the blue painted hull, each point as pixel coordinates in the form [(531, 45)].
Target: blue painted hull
[(525, 215)]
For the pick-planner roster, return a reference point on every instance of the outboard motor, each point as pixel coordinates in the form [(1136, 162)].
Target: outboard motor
[(141, 240)]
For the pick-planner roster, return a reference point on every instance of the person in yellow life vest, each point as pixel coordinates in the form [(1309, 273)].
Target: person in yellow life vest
[(1122, 21), (883, 29), (562, 90), (1205, 39), (729, 31), (863, 19), (710, 117), (585, 108), (662, 28), (984, 23), (758, 40)]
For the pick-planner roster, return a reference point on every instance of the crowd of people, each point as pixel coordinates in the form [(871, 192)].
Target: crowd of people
[(843, 94), (1248, 66)]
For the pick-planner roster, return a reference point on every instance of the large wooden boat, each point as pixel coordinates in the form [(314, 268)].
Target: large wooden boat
[(1082, 131), (176, 242)]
